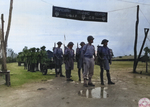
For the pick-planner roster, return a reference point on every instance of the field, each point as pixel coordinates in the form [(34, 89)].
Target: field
[(20, 76)]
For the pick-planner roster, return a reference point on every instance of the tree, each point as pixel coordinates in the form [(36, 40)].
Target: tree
[(3, 38)]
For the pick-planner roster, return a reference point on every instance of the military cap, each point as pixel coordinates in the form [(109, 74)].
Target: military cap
[(59, 43), (90, 38), (82, 43), (70, 44), (103, 41)]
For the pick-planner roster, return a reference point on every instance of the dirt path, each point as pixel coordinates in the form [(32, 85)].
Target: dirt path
[(127, 91)]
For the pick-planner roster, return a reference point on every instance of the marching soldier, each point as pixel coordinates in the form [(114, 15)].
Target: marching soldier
[(104, 55), (80, 60), (88, 51), (58, 59), (69, 60)]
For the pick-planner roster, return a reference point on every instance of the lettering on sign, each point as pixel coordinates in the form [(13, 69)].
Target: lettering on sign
[(82, 15)]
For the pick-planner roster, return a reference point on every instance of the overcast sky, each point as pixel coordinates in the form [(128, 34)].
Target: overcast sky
[(33, 25)]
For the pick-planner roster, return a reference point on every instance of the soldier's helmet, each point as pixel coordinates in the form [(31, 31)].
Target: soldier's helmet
[(90, 38), (59, 43), (70, 44), (103, 41), (82, 43)]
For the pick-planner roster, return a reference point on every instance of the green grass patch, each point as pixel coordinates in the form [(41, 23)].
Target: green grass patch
[(121, 64), (20, 76)]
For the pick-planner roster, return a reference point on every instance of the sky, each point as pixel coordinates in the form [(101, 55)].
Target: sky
[(33, 25)]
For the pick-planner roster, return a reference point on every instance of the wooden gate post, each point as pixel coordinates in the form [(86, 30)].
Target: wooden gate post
[(135, 43)]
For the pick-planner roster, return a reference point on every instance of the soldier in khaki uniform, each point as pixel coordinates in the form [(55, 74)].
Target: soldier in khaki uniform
[(88, 52)]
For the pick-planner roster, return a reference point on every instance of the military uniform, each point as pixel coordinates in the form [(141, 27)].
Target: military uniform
[(88, 51), (58, 59), (80, 60), (69, 61), (105, 56)]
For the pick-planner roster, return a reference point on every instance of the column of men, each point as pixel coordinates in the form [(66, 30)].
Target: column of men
[(85, 60)]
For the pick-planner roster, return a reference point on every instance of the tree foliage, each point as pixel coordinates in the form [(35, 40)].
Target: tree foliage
[(33, 55), (147, 51)]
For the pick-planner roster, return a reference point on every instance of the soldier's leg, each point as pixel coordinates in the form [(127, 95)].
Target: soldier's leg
[(82, 69), (60, 70), (55, 70), (86, 70), (68, 75), (91, 72), (85, 76), (109, 78), (101, 72), (79, 75), (101, 75)]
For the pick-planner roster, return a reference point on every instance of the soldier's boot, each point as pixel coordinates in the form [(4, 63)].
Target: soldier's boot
[(61, 75), (85, 83), (60, 70), (90, 82), (102, 81), (79, 74), (109, 79)]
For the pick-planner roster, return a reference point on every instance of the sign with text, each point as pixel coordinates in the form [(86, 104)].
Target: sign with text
[(82, 15)]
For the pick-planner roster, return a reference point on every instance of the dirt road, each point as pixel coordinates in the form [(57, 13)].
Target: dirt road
[(127, 91)]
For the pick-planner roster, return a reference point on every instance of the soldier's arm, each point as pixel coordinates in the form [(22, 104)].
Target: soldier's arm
[(109, 53)]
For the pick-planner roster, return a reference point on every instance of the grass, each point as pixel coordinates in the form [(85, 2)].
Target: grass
[(124, 57), (20, 76), (121, 64)]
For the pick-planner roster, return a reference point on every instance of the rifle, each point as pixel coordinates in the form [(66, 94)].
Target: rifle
[(54, 58), (54, 47), (65, 56), (77, 53)]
